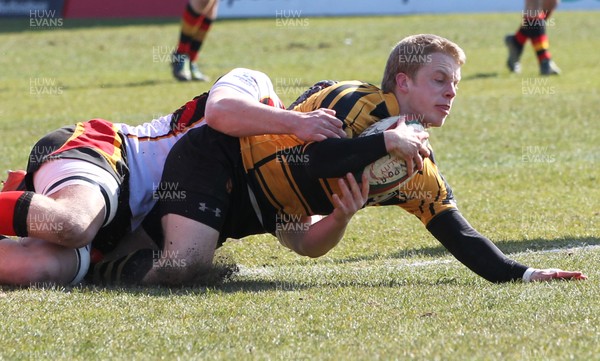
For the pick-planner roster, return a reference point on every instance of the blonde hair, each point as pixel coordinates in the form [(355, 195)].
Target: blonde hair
[(410, 54)]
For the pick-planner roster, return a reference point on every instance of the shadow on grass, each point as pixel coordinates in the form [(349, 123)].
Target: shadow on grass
[(480, 76), (142, 83), (508, 247), (225, 279), (236, 285)]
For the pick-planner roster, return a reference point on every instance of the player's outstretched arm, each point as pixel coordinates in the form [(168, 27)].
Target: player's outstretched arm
[(536, 275), (482, 256), (325, 234)]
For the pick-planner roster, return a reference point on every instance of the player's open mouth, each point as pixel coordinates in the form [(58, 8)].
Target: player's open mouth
[(444, 108)]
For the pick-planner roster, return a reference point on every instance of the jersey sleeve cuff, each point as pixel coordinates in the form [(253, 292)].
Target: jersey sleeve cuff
[(527, 275)]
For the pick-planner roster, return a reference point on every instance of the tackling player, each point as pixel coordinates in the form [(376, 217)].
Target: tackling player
[(95, 181)]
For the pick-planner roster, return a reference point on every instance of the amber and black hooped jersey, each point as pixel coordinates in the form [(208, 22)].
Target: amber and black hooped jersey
[(357, 104), (276, 164)]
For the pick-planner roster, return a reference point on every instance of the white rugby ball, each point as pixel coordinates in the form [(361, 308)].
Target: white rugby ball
[(387, 174)]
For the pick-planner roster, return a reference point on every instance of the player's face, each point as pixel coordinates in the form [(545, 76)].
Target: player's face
[(432, 91)]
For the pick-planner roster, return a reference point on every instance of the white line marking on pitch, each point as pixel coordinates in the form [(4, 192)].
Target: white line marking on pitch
[(269, 270)]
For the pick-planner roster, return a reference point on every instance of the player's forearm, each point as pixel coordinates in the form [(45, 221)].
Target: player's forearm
[(334, 158), (319, 239), (242, 117), (472, 249)]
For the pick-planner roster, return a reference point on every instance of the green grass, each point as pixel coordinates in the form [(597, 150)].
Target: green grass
[(524, 168)]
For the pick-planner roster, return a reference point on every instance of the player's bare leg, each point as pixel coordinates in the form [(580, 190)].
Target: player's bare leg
[(188, 252), (70, 217), (28, 260)]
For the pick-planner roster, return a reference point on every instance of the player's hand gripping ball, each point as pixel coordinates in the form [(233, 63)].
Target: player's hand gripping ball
[(387, 174)]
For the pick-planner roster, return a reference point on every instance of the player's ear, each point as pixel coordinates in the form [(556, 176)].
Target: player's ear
[(402, 82)]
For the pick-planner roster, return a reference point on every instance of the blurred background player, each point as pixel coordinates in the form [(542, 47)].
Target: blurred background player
[(533, 26), (196, 22)]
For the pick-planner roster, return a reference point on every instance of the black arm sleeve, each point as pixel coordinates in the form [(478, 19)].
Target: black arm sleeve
[(472, 249), (333, 158)]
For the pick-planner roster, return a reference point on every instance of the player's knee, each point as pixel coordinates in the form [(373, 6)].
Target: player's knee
[(40, 271), (76, 232)]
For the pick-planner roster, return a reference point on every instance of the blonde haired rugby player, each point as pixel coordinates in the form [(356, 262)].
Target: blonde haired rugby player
[(257, 188)]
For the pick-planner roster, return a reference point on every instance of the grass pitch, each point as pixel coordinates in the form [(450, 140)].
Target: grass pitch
[(521, 152)]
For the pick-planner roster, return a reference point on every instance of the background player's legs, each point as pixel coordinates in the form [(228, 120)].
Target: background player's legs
[(196, 23), (548, 6), (533, 26)]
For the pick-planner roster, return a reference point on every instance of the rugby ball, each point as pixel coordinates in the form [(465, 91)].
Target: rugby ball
[(387, 174)]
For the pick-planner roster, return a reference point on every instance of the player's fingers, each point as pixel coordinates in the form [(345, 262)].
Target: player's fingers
[(329, 133), (424, 151), (352, 197), (401, 120), (418, 162), (328, 111), (334, 125), (569, 274), (344, 190), (410, 167), (356, 190), (330, 117), (335, 122), (365, 187), (316, 137), (342, 203), (337, 202), (338, 132)]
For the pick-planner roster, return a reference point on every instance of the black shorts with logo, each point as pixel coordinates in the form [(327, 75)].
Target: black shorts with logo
[(204, 180)]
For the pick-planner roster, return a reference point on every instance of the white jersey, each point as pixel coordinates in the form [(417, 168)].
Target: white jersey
[(147, 148), (148, 144), (252, 83)]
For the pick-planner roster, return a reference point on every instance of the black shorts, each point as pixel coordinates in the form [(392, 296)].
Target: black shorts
[(204, 180)]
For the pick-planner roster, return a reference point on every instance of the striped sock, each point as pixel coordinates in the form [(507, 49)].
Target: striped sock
[(14, 208), (189, 26), (199, 37), (534, 28)]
